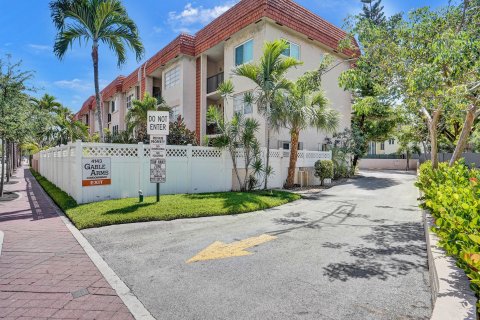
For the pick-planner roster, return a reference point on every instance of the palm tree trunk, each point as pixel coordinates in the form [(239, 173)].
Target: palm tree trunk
[(2, 163), (467, 129), (267, 164), (97, 90), (293, 158)]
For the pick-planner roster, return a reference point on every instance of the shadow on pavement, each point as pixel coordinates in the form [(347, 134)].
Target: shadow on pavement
[(374, 183), (395, 250)]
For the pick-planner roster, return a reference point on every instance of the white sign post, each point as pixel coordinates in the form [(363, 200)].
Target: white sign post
[(158, 129)]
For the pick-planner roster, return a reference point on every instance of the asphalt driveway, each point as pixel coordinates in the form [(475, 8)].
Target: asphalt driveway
[(355, 251)]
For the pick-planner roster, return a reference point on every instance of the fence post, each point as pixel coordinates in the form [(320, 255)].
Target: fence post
[(189, 168), (141, 156), (77, 169)]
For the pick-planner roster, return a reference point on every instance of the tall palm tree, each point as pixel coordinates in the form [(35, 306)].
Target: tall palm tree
[(269, 77), (99, 21), (137, 116), (304, 105)]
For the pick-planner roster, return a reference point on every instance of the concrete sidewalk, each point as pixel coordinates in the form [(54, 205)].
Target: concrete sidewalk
[(44, 272)]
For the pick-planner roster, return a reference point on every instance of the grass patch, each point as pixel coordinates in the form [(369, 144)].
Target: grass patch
[(61, 198), (171, 207)]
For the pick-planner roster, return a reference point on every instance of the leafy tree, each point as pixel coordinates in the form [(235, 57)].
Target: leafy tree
[(269, 77), (98, 21), (373, 117), (137, 116), (302, 106), (408, 140), (430, 62), (14, 113), (373, 10), (180, 135)]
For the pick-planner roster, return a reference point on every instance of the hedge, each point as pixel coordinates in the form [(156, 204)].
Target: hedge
[(452, 195)]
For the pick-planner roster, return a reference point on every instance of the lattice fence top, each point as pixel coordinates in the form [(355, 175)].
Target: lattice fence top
[(177, 153), (206, 153), (120, 152)]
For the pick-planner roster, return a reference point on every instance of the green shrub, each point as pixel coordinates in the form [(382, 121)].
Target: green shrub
[(61, 198), (324, 170), (452, 196)]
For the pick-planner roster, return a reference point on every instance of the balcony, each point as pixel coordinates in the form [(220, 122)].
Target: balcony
[(213, 82)]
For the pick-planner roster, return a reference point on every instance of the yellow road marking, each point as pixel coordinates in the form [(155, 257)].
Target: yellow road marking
[(221, 250)]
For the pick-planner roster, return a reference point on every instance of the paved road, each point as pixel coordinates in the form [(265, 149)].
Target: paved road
[(355, 251)]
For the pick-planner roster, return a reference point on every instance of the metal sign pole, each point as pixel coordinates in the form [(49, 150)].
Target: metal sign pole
[(158, 192)]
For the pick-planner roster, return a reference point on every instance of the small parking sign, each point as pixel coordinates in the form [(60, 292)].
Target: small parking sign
[(158, 170)]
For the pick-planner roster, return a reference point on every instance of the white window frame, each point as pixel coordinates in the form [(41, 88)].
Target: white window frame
[(235, 109), (283, 143), (130, 100), (235, 52), (295, 44), (172, 77)]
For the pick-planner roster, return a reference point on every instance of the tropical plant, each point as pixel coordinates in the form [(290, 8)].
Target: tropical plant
[(179, 134), (324, 170), (269, 78), (137, 116), (238, 136), (98, 21), (450, 193), (303, 105)]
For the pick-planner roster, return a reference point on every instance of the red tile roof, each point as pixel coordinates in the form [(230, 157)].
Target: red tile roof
[(284, 12)]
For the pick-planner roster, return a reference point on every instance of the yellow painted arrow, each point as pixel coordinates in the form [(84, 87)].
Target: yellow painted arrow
[(220, 250)]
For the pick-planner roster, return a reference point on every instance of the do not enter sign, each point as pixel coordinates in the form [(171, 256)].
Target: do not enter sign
[(158, 123)]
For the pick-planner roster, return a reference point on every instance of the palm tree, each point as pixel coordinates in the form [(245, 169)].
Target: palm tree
[(269, 77), (47, 103), (99, 21), (303, 105), (137, 116)]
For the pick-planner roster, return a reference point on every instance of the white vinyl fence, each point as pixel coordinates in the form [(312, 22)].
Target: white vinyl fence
[(189, 169)]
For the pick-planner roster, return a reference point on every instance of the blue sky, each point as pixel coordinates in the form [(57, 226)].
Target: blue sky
[(27, 33)]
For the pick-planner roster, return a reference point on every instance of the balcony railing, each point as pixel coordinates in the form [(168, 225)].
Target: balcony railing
[(213, 82)]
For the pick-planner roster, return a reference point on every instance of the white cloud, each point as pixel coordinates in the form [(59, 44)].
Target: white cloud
[(40, 47), (157, 29), (79, 85), (191, 17)]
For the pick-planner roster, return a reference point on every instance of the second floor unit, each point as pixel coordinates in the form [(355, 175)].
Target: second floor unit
[(187, 72)]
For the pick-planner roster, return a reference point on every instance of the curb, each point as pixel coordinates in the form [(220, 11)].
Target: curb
[(1, 241), (452, 297), (136, 308)]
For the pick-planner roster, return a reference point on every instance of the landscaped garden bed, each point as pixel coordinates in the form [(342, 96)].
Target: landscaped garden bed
[(452, 195), (170, 207)]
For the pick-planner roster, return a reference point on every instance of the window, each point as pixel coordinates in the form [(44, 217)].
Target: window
[(109, 118), (391, 141), (129, 101), (293, 50), (382, 146), (285, 145), (137, 92), (174, 113), (240, 106), (244, 53), (113, 106), (172, 77), (115, 130), (87, 120)]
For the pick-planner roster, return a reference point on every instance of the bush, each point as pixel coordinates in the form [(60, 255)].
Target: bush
[(452, 196), (179, 134), (324, 170), (60, 197)]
